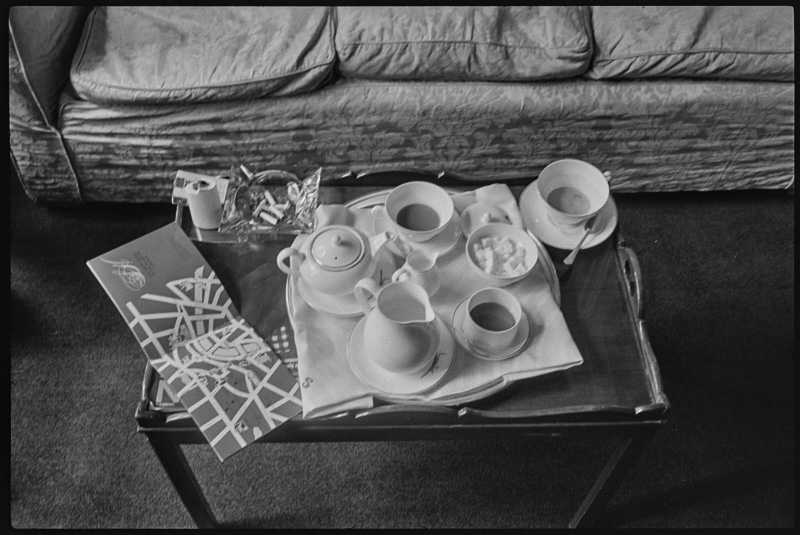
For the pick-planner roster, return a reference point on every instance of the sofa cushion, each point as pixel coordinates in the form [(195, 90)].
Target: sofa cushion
[(148, 54), (513, 43), (733, 42)]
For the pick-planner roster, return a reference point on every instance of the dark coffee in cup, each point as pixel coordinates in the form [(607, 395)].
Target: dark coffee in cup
[(569, 200), (417, 216), (492, 316)]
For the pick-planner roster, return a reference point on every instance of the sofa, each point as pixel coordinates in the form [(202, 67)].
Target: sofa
[(107, 103)]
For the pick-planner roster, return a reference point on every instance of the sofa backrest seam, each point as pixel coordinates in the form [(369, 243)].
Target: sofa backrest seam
[(686, 52), (326, 63), (454, 42)]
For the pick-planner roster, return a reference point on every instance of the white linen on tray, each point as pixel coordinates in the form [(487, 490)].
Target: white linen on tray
[(330, 386)]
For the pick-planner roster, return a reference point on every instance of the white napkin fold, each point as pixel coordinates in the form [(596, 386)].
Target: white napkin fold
[(330, 386), (494, 194)]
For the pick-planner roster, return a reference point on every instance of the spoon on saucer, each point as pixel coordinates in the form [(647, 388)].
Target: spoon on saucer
[(589, 227)]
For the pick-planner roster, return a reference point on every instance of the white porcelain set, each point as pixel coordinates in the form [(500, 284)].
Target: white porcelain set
[(400, 344), (334, 258), (491, 324), (422, 215), (337, 262), (401, 331), (401, 347), (544, 216), (587, 184)]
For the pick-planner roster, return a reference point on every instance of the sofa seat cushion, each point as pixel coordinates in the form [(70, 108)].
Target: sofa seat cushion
[(512, 43), (149, 55), (731, 42), (652, 135)]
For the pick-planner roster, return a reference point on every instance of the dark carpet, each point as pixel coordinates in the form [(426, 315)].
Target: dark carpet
[(718, 274)]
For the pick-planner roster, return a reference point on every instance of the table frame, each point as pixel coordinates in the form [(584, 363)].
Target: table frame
[(632, 429)]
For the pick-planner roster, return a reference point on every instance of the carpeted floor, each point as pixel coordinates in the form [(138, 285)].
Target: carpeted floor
[(719, 295)]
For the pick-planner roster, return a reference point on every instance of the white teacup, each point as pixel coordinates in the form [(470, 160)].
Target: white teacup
[(418, 211), (420, 267), (573, 191), (492, 320)]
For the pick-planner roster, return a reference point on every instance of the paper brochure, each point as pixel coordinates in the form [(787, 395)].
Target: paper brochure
[(225, 374)]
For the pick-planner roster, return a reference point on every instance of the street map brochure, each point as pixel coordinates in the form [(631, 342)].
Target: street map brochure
[(224, 374), (163, 399)]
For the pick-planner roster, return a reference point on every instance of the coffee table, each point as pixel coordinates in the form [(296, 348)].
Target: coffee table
[(616, 393)]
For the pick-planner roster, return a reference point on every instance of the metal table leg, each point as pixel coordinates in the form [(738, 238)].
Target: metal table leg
[(180, 473), (611, 476)]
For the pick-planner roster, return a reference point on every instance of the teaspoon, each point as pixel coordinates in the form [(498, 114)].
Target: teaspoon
[(589, 227)]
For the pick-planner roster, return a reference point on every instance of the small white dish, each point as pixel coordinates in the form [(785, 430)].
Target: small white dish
[(346, 306), (404, 384), (517, 236), (441, 244), (534, 217), (515, 348), (480, 214)]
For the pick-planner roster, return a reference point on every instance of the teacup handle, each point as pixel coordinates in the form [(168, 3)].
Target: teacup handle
[(401, 275), (287, 254), (363, 290), (379, 210)]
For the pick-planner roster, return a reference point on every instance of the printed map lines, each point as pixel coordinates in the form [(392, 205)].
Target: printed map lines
[(207, 310), (224, 350), (233, 384)]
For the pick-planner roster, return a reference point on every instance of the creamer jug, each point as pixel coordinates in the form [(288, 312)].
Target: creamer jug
[(401, 333)]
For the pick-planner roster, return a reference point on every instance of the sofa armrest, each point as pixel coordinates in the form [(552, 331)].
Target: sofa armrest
[(41, 43)]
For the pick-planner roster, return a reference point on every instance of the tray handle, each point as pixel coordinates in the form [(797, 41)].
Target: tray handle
[(632, 274)]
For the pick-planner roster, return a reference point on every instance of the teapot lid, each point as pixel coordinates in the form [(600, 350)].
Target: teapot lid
[(337, 248)]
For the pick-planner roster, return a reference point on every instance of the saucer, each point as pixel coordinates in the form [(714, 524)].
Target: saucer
[(516, 346), (441, 244), (534, 216), (388, 382), (346, 306)]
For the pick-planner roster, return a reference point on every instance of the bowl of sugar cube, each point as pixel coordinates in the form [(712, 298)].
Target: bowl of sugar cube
[(501, 253)]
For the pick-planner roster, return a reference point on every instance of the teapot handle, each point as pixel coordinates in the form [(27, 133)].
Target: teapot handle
[(288, 253), (364, 289)]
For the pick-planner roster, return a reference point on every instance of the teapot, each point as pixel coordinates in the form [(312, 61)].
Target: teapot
[(401, 334), (334, 258)]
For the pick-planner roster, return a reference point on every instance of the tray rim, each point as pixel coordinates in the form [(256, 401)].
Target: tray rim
[(659, 408)]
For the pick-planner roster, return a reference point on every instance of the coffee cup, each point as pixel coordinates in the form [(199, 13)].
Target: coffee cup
[(573, 191), (491, 320), (418, 211)]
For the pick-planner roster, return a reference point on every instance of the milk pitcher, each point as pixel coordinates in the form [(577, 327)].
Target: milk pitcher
[(401, 333)]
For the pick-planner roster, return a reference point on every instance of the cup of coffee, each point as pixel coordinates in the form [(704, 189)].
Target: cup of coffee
[(418, 210), (573, 191), (491, 320)]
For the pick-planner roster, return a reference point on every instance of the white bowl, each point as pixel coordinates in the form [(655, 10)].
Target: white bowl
[(520, 240)]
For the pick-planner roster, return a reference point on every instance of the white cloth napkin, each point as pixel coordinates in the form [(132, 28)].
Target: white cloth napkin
[(330, 386)]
